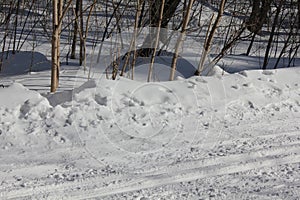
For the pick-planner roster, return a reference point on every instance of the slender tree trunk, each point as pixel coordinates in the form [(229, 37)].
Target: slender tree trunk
[(108, 22), (81, 50), (58, 15), (170, 7), (136, 25), (156, 40), (7, 20), (133, 41), (75, 32), (180, 39), (85, 33), (142, 14), (55, 41), (298, 14), (16, 24), (251, 44), (24, 24), (272, 35), (208, 43)]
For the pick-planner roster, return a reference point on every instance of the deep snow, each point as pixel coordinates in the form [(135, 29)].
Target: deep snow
[(232, 136)]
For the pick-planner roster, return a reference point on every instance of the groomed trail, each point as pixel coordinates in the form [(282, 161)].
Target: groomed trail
[(241, 140)]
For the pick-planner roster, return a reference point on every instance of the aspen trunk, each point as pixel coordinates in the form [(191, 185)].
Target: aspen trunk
[(156, 40), (209, 40), (180, 39), (58, 14), (133, 41), (55, 42)]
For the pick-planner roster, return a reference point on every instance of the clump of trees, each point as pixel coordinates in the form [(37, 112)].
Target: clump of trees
[(91, 22)]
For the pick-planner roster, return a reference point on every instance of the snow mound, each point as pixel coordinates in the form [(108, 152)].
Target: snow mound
[(16, 94)]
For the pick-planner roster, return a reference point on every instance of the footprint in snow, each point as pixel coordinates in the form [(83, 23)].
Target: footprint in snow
[(243, 73), (268, 72), (235, 87), (102, 101)]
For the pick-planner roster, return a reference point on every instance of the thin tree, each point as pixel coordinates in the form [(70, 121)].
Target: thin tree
[(75, 32), (266, 59), (180, 39), (133, 41), (58, 15), (208, 42), (6, 32), (15, 26), (156, 40)]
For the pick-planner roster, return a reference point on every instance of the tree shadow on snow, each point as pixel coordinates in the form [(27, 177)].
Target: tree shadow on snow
[(23, 62)]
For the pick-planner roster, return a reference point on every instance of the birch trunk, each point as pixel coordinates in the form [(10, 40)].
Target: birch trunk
[(156, 40), (58, 15), (209, 40), (55, 38), (133, 41), (180, 39)]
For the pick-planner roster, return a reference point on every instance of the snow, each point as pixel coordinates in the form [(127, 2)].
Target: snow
[(231, 134), (223, 136)]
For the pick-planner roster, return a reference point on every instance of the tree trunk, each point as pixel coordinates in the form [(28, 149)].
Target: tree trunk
[(58, 14), (272, 35), (55, 42), (251, 44), (16, 24), (156, 40), (170, 7), (298, 14), (258, 17), (73, 51), (208, 42), (180, 39), (133, 41), (81, 50)]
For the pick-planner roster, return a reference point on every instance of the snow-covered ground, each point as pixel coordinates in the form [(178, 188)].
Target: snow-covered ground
[(232, 135), (235, 136)]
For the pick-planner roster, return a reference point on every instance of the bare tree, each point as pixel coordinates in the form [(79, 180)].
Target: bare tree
[(76, 26), (58, 14), (133, 41), (16, 26), (258, 17), (156, 40), (170, 7), (272, 34), (208, 42), (180, 39)]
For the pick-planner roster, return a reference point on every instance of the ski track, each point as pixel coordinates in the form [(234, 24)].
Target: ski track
[(277, 148), (101, 186)]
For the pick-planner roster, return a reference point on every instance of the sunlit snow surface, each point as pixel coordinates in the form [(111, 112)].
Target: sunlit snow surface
[(231, 134), (227, 136)]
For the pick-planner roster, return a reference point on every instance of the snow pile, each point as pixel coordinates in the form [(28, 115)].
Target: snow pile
[(130, 113), (149, 135)]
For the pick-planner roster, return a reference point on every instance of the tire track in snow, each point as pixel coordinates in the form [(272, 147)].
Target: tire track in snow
[(181, 172)]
